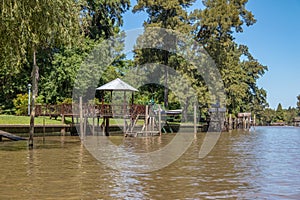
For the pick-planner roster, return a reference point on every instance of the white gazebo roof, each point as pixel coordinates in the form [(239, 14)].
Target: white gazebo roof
[(117, 85)]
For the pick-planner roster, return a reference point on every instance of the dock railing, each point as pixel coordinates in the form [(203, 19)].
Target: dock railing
[(90, 110)]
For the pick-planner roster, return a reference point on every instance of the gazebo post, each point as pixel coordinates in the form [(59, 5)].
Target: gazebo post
[(132, 98)]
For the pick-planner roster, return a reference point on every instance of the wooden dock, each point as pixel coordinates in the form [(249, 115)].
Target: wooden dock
[(10, 136)]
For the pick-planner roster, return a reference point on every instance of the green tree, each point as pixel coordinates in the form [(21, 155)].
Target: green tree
[(20, 104), (30, 26), (169, 14), (268, 116), (280, 115), (102, 19), (290, 114), (214, 27), (298, 104)]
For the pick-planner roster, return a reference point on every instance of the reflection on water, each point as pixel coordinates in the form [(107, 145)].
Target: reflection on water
[(262, 164)]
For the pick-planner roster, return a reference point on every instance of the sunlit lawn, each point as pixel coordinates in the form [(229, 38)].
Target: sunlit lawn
[(13, 119)]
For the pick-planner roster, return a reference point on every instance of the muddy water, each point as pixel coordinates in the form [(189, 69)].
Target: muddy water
[(262, 164)]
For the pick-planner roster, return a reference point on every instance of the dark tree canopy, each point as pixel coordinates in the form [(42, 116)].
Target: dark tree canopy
[(62, 33)]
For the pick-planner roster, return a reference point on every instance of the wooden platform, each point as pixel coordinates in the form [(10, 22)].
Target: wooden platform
[(142, 133), (10, 136), (38, 128)]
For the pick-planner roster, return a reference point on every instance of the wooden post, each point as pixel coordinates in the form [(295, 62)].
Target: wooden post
[(153, 122), (81, 117), (93, 125), (44, 128), (84, 125), (248, 123), (63, 130), (159, 119), (107, 126), (124, 113), (103, 126), (35, 75), (254, 120), (230, 122), (146, 118), (195, 118)]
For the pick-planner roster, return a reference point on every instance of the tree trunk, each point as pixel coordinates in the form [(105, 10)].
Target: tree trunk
[(34, 77), (185, 109), (166, 91)]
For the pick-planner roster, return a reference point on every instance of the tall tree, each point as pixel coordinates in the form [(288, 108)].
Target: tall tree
[(99, 20), (169, 14), (268, 116), (280, 115), (102, 19), (29, 26), (214, 27)]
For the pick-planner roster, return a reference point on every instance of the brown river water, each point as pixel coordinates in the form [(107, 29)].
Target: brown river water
[(261, 164)]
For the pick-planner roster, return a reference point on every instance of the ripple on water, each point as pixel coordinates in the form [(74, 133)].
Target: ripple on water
[(262, 164)]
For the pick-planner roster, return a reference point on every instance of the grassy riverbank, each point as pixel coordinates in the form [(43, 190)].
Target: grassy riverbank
[(13, 119), (24, 120)]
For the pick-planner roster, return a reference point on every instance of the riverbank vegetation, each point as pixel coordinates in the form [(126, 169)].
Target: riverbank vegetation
[(282, 116), (45, 42)]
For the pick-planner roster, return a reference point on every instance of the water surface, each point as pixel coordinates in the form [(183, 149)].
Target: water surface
[(261, 164)]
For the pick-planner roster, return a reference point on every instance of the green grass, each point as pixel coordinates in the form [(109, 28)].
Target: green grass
[(13, 119)]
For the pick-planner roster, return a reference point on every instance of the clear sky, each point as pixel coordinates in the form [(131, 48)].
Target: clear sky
[(274, 40)]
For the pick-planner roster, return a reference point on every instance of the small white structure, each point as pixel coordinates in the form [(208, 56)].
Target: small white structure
[(117, 85)]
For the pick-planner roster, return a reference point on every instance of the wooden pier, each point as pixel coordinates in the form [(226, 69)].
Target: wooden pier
[(94, 119), (129, 113)]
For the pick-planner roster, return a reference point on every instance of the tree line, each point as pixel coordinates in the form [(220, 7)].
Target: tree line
[(45, 42), (280, 115)]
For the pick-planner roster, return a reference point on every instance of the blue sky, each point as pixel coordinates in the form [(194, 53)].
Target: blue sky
[(273, 40)]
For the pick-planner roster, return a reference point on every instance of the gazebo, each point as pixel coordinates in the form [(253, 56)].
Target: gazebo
[(117, 85)]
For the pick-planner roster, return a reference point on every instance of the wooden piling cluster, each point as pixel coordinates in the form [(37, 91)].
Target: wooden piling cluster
[(242, 121)]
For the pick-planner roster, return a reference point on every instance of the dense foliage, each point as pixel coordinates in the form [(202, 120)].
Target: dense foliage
[(45, 42)]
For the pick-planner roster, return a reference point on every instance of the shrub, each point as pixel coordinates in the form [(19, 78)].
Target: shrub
[(66, 101), (94, 101), (21, 104)]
